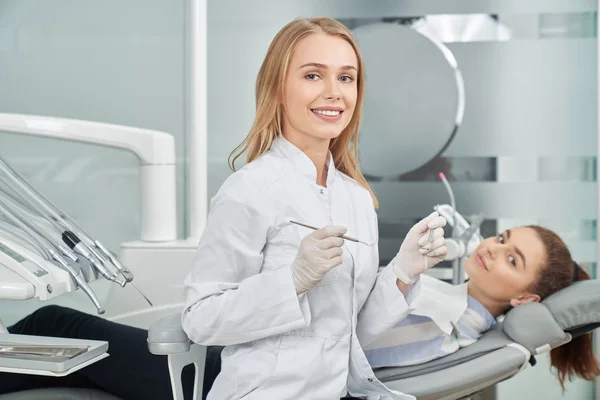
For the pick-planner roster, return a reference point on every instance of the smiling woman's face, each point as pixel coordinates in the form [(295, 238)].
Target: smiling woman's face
[(320, 92), (504, 267)]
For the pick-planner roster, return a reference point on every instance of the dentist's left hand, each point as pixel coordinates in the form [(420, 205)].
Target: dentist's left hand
[(416, 254)]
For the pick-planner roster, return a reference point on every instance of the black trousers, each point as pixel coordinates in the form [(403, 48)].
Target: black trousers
[(130, 373)]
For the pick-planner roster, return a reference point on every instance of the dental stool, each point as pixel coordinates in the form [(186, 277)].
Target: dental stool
[(501, 353)]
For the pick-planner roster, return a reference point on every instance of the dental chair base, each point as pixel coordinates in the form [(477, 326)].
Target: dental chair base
[(502, 352)]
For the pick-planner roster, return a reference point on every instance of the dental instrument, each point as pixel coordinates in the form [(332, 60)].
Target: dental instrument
[(454, 330), (75, 244), (37, 224), (430, 238), (469, 233), (70, 267), (350, 238), (55, 222)]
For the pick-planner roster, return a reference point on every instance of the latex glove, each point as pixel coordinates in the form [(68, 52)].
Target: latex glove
[(417, 255), (319, 252)]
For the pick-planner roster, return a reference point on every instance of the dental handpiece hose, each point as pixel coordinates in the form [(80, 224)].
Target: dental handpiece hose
[(37, 200), (47, 246), (62, 223), (32, 223)]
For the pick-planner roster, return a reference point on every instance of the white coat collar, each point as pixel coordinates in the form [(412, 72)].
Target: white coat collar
[(442, 302), (301, 162)]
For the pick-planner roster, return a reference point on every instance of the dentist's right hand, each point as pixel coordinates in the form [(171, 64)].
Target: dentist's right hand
[(319, 252)]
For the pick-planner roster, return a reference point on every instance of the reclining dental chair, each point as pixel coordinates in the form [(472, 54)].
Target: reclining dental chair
[(502, 352)]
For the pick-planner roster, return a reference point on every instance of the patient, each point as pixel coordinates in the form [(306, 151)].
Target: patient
[(519, 266)]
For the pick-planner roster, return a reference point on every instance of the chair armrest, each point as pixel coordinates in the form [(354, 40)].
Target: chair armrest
[(166, 336)]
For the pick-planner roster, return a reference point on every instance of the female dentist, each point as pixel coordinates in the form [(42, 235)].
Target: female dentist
[(292, 305)]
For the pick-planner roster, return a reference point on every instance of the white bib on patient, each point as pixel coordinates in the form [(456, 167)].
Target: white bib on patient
[(443, 302)]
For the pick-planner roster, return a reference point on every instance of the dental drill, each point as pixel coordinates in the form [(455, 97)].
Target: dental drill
[(63, 227)]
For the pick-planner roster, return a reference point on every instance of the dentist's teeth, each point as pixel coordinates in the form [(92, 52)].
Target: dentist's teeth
[(329, 113)]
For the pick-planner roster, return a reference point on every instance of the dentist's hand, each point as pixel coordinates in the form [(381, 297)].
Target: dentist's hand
[(319, 252), (416, 254)]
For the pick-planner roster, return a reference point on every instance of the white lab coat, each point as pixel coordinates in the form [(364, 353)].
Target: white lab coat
[(240, 292)]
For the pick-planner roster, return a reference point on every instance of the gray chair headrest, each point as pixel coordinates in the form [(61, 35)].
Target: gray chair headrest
[(544, 326)]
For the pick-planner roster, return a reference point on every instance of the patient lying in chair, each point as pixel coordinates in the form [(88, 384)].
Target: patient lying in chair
[(520, 265)]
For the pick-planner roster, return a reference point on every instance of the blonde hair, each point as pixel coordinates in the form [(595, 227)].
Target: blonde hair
[(269, 93)]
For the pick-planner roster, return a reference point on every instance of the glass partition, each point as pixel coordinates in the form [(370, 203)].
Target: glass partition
[(109, 61)]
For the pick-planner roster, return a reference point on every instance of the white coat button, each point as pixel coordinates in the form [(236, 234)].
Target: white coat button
[(370, 379), (322, 191)]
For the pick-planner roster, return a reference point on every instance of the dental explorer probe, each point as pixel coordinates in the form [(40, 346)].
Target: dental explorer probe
[(64, 221), (77, 276), (350, 238)]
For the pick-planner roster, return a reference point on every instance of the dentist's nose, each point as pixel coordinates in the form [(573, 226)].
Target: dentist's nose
[(332, 90)]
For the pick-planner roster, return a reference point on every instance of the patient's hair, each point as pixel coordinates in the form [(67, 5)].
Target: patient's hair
[(575, 358)]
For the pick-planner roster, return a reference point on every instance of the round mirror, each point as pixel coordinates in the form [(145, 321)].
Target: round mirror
[(414, 99)]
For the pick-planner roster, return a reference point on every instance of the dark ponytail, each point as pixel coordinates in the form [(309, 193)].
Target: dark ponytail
[(575, 358)]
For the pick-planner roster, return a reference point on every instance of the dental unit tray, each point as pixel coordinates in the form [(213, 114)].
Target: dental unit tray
[(49, 356), (41, 352)]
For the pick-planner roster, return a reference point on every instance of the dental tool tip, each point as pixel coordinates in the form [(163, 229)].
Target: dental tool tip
[(140, 292)]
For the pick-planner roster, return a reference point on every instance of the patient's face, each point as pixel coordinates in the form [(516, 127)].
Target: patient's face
[(505, 266)]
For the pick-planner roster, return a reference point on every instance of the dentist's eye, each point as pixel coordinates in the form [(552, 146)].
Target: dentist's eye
[(500, 238), (512, 260), (311, 77), (347, 79)]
